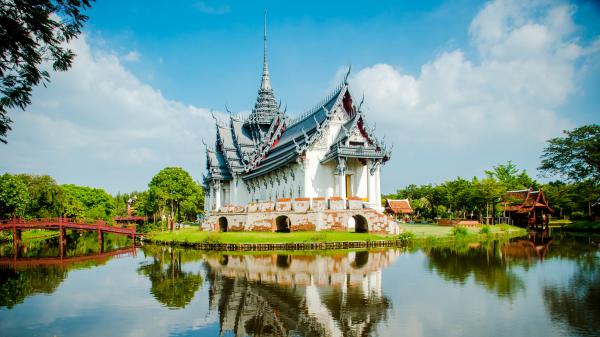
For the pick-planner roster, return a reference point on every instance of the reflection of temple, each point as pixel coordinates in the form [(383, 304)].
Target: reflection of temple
[(279, 295), (537, 246)]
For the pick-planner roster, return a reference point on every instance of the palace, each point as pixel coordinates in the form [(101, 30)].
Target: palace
[(327, 153)]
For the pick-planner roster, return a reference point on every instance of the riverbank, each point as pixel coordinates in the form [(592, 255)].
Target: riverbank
[(576, 225), (29, 235), (325, 239)]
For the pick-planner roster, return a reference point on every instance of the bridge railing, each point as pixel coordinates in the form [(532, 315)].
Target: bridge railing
[(61, 220)]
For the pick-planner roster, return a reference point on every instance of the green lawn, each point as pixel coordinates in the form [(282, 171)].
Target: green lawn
[(425, 231), (38, 233), (433, 230), (195, 236), (29, 235), (575, 224)]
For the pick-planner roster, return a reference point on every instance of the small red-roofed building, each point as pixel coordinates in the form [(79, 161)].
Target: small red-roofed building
[(400, 208), (527, 207)]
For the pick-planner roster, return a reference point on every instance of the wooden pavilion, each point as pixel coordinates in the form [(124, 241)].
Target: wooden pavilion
[(400, 208), (527, 208)]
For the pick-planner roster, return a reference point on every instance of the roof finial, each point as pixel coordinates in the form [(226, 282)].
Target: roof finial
[(347, 74), (265, 84)]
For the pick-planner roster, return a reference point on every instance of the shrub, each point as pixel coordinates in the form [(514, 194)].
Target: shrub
[(318, 237), (459, 231), (504, 227), (577, 215), (485, 230), (212, 238), (406, 237)]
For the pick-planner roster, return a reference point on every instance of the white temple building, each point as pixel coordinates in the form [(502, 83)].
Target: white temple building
[(329, 151)]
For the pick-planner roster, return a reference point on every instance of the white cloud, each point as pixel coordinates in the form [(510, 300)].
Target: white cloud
[(97, 124), (132, 56), (502, 106)]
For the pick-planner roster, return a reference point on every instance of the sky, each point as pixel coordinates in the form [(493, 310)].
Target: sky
[(456, 86)]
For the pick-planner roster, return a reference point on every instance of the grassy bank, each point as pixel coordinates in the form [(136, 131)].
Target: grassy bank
[(433, 234), (576, 225), (419, 233), (422, 231), (190, 235), (29, 235)]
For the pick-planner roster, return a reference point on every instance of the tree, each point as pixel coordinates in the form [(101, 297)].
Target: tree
[(508, 175), (34, 32), (562, 197), (488, 192), (13, 196), (457, 195), (193, 205), (170, 187), (576, 156), (88, 203), (46, 196), (171, 286)]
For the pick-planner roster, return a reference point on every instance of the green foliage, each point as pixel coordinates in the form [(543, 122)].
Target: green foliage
[(459, 231), (577, 215), (33, 32), (171, 285), (213, 238), (16, 286), (459, 198), (510, 178), (46, 196), (87, 203), (173, 190), (485, 230), (406, 237), (576, 156), (14, 196)]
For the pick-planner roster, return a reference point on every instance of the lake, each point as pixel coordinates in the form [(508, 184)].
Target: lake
[(530, 286)]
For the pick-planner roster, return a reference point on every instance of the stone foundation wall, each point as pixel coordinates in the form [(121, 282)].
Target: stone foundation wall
[(304, 214)]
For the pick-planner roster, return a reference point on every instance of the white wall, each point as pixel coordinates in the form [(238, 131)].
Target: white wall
[(310, 179)]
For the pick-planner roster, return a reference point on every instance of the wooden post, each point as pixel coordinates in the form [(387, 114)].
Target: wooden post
[(60, 238), (100, 241)]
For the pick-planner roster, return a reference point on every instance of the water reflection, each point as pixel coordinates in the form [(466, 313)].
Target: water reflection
[(574, 302), (552, 284), (577, 302), (171, 285), (39, 267), (16, 285), (485, 263), (310, 295)]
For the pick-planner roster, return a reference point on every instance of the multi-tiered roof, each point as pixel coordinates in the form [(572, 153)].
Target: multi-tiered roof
[(268, 139)]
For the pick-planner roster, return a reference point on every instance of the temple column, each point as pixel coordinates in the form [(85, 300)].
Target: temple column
[(208, 198), (378, 187), (341, 173), (233, 191), (371, 182), (217, 187)]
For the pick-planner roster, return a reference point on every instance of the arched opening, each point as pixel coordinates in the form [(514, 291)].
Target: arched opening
[(360, 259), (283, 224), (223, 224), (360, 224), (283, 261), (224, 260)]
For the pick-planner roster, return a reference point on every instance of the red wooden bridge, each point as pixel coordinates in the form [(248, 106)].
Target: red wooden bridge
[(18, 224), (101, 257)]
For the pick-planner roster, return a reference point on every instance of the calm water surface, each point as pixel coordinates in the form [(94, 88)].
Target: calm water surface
[(542, 286)]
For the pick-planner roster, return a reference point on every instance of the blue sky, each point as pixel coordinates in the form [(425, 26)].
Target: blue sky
[(456, 86)]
